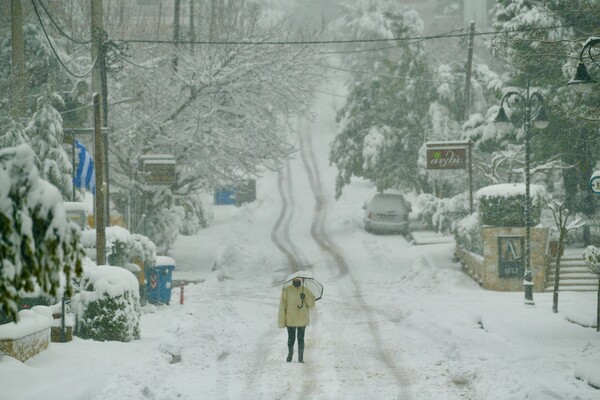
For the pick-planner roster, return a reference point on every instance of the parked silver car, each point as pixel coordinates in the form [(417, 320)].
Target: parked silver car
[(387, 213)]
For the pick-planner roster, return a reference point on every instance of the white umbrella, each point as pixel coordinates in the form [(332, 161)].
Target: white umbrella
[(308, 281)]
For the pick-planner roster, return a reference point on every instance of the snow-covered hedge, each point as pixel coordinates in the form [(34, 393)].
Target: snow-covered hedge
[(504, 204), (107, 306), (468, 234)]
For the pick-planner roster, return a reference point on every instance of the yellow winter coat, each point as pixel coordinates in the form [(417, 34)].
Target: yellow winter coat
[(289, 313)]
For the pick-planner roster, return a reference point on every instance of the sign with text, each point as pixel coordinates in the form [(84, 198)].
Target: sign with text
[(511, 256), (159, 169), (447, 158)]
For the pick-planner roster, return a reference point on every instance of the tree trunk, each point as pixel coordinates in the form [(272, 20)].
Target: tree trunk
[(557, 271)]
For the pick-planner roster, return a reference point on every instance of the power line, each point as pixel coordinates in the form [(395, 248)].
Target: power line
[(54, 50), (60, 29), (348, 41)]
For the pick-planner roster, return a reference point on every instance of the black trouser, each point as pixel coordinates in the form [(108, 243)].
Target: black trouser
[(292, 336)]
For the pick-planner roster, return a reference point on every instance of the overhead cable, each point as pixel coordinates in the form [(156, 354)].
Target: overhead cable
[(347, 41), (54, 50), (60, 29)]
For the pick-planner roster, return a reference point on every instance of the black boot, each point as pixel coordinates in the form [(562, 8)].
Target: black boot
[(300, 354), (290, 354)]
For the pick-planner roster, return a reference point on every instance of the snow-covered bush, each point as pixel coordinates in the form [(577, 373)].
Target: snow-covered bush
[(107, 305), (591, 255), (442, 214), (469, 234), (163, 228), (504, 204), (37, 240), (143, 249), (118, 241), (122, 246), (427, 204)]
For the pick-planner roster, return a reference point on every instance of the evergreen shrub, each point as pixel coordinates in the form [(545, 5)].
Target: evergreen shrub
[(107, 305), (591, 255), (506, 207)]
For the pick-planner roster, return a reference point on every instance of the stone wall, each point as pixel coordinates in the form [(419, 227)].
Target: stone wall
[(486, 269), (27, 346)]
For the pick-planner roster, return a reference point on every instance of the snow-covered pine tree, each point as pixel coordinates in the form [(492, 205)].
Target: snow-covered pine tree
[(46, 137), (13, 137)]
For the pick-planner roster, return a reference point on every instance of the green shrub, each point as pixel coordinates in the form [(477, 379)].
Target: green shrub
[(504, 204), (107, 305), (591, 255)]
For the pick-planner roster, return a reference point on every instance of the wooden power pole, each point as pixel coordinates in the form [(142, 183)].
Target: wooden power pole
[(99, 162), (176, 33), (468, 69)]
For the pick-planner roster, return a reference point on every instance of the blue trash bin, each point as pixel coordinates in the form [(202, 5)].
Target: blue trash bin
[(159, 280)]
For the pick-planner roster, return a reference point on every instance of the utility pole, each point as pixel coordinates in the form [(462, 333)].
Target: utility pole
[(99, 85), (159, 23), (192, 27), (100, 186), (97, 29), (18, 60), (99, 204), (104, 81), (176, 33), (468, 69)]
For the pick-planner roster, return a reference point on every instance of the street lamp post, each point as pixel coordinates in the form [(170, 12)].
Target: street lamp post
[(582, 82), (531, 104)]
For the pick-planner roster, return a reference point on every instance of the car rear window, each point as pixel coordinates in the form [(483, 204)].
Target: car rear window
[(388, 202)]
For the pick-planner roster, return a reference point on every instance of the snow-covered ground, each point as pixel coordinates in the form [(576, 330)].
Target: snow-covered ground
[(402, 322)]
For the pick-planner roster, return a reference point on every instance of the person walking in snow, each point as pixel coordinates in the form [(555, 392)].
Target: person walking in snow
[(296, 300)]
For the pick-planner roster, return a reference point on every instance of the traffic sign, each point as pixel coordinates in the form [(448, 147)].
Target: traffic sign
[(595, 182)]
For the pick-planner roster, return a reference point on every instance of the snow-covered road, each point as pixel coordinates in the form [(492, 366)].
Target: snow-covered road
[(401, 322)]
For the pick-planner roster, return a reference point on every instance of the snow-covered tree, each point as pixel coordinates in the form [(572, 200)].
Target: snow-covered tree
[(393, 95), (37, 241), (46, 138), (543, 48), (446, 117), (223, 114)]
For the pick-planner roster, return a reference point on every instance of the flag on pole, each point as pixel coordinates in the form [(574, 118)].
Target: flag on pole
[(84, 176)]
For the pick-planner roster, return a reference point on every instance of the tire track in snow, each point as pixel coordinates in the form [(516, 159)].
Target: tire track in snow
[(276, 238), (280, 236), (320, 236)]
